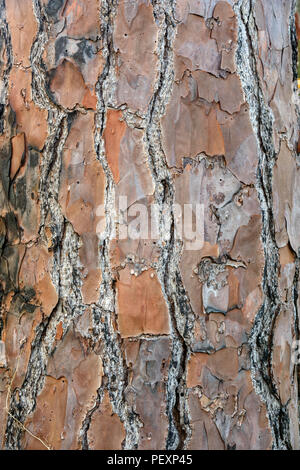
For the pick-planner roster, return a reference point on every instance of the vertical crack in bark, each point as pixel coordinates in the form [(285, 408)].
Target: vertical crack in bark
[(66, 275), (87, 420), (181, 314), (261, 338), (294, 42), (5, 35), (114, 365)]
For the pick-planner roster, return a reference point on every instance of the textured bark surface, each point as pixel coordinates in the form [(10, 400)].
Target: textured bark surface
[(110, 343)]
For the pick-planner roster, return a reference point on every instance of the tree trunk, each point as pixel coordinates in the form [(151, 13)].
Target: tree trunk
[(125, 322)]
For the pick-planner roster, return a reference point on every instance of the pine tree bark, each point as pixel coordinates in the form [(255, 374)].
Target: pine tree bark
[(111, 342)]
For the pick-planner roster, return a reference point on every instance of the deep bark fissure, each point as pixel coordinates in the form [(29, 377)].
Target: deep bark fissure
[(181, 314), (174, 359), (114, 364), (261, 338), (23, 400)]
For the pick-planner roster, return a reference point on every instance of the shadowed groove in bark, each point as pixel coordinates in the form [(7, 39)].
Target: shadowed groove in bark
[(181, 314), (261, 337), (24, 399), (65, 275), (294, 42), (5, 35), (114, 365), (87, 420), (103, 336)]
